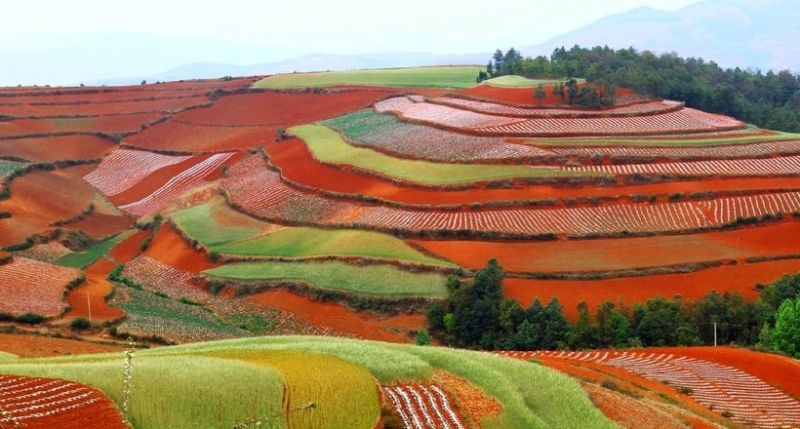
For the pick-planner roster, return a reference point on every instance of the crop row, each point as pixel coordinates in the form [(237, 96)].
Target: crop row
[(181, 183), (261, 192), (743, 397), (735, 167), (40, 402), (386, 133), (423, 407), (651, 107), (31, 286), (679, 121), (124, 168), (157, 276), (723, 151)]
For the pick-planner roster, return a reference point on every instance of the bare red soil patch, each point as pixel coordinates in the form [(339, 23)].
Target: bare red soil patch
[(101, 225), (337, 317), (57, 404), (130, 247), (779, 371), (297, 165), (89, 299), (155, 104), (168, 247), (472, 401), (184, 137), (623, 253), (100, 124), (740, 278), (281, 108), (48, 149), (41, 197), (521, 96)]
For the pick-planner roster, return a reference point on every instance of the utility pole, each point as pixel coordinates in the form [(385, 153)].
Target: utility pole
[(715, 334), (89, 304)]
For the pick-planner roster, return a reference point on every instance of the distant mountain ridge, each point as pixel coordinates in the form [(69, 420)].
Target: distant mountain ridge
[(733, 33)]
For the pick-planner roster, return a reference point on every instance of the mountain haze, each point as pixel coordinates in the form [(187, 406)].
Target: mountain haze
[(733, 33)]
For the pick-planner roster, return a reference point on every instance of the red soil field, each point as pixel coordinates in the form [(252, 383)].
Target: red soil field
[(179, 136), (325, 314), (130, 247), (629, 412), (32, 286), (741, 278), (100, 124), (522, 96), (158, 104), (779, 371), (623, 253), (48, 149), (163, 175), (33, 346), (43, 403), (297, 165), (281, 108), (100, 225), (168, 247), (97, 288), (41, 197)]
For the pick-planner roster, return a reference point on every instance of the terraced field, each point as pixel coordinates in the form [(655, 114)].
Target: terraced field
[(338, 203)]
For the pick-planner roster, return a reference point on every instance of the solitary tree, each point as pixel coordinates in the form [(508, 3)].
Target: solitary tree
[(540, 94)]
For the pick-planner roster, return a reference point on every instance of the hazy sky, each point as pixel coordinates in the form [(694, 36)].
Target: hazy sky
[(67, 42)]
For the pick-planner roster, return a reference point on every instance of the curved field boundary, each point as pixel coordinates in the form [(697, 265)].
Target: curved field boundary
[(120, 124), (721, 388), (31, 286), (734, 150), (124, 168), (50, 149), (389, 135), (157, 276), (81, 108), (327, 146), (179, 137), (39, 403), (638, 109), (678, 122), (422, 406), (183, 182), (259, 191), (781, 166)]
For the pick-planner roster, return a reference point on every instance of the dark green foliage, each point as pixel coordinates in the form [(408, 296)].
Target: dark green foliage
[(80, 324), (30, 319), (768, 100), (786, 335), (422, 338), (435, 317)]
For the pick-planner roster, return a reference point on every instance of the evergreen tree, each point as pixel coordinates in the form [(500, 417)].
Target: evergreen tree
[(786, 335)]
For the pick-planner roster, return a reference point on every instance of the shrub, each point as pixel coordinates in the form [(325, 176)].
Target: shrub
[(80, 324), (422, 338), (30, 318)]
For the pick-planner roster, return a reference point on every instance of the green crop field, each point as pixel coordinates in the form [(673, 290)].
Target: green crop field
[(245, 379), (690, 140), (226, 231), (514, 81), (328, 146), (9, 167), (149, 314), (420, 77), (88, 257), (375, 280)]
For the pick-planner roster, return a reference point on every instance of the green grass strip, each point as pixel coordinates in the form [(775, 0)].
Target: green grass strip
[(84, 259), (514, 81), (9, 167), (375, 280), (688, 141), (328, 146), (226, 231), (420, 77)]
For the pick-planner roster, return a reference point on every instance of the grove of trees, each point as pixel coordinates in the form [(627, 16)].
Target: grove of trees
[(768, 100), (476, 315)]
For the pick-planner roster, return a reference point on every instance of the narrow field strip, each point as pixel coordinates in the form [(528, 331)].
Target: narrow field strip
[(124, 168), (423, 406), (788, 165), (652, 107), (721, 388)]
